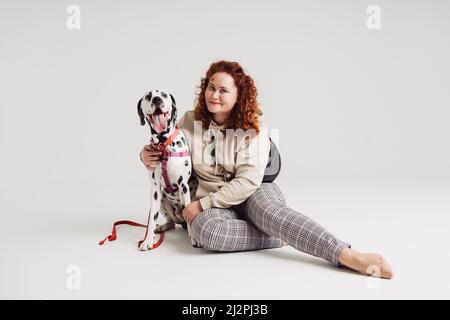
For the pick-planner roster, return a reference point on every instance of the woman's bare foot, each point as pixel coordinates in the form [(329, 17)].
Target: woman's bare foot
[(371, 264)]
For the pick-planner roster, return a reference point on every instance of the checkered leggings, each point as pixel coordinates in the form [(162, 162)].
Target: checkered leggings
[(262, 222)]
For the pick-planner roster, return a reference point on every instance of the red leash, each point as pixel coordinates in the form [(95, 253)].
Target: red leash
[(161, 147), (113, 235)]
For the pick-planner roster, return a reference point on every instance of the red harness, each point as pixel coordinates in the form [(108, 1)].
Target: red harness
[(164, 159), (166, 154)]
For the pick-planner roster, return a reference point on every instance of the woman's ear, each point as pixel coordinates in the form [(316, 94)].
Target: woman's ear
[(140, 113)]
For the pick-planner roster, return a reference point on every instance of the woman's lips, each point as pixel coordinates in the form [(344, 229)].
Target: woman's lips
[(212, 102)]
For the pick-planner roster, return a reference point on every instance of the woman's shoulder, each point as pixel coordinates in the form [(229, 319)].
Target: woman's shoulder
[(262, 119), (262, 123), (189, 113), (186, 119)]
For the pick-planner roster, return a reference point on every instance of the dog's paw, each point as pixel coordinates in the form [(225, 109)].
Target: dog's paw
[(194, 242), (165, 227), (147, 244), (144, 246)]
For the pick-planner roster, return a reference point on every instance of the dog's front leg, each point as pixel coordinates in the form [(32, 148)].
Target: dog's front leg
[(155, 204), (185, 196)]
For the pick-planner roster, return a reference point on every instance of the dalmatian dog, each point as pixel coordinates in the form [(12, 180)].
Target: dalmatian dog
[(172, 186)]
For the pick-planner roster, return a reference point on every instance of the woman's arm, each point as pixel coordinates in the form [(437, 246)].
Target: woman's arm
[(251, 162)]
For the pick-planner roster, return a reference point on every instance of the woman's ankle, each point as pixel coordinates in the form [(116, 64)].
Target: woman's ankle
[(347, 256)]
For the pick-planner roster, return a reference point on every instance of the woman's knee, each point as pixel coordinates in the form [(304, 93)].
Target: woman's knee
[(264, 203), (206, 226), (267, 194)]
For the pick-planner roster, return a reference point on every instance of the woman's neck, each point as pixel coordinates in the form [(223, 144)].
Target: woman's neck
[(220, 119)]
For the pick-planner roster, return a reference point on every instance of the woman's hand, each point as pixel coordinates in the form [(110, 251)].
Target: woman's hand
[(150, 157), (191, 211)]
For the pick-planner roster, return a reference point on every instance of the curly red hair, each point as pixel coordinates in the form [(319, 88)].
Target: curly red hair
[(246, 110)]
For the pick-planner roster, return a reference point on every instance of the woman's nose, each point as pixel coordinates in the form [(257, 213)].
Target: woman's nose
[(215, 94)]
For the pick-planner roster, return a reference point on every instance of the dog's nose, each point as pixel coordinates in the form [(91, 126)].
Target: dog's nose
[(157, 101)]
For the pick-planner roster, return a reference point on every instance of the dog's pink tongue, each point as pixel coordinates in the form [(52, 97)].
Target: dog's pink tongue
[(159, 124)]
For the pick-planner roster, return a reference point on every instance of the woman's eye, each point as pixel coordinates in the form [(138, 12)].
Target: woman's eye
[(223, 91)]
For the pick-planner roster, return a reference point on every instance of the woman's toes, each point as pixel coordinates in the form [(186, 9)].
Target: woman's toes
[(376, 266), (386, 270)]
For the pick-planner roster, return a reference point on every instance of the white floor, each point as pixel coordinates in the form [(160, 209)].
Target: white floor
[(409, 225)]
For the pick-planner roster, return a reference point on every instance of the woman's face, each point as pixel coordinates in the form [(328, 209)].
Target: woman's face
[(221, 96)]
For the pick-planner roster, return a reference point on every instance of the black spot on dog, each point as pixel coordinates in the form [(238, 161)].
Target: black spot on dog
[(155, 195), (140, 113), (180, 179), (189, 173), (148, 97), (173, 144), (213, 153), (174, 185), (179, 144), (153, 174), (212, 138), (184, 188), (186, 163), (182, 139), (156, 215)]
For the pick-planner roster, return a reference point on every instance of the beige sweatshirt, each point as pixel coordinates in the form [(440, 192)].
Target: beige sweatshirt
[(229, 164)]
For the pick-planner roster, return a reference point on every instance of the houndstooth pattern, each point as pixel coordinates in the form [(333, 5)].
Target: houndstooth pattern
[(220, 229), (260, 223)]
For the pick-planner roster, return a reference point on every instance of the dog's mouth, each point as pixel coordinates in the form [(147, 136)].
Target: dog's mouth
[(159, 121)]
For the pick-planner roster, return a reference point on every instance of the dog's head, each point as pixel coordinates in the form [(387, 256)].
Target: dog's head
[(158, 108)]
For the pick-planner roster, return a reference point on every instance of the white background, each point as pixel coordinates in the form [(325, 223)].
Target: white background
[(363, 118)]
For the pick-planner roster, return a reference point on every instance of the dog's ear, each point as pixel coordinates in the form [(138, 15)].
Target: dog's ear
[(173, 116), (173, 100), (140, 113)]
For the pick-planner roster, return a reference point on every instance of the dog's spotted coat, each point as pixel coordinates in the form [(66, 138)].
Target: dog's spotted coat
[(153, 107)]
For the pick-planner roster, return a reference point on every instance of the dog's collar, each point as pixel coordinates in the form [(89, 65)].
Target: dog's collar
[(163, 145)]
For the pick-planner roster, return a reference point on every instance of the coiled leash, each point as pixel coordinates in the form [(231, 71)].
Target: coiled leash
[(113, 235)]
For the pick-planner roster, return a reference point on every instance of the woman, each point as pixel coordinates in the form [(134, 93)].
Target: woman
[(232, 210)]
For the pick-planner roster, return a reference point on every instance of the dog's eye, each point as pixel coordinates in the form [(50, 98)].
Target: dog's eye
[(164, 95)]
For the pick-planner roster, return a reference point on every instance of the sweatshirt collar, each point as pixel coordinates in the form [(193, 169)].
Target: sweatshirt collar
[(214, 125)]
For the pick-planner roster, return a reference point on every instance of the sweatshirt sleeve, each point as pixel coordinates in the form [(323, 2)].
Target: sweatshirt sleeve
[(251, 161)]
